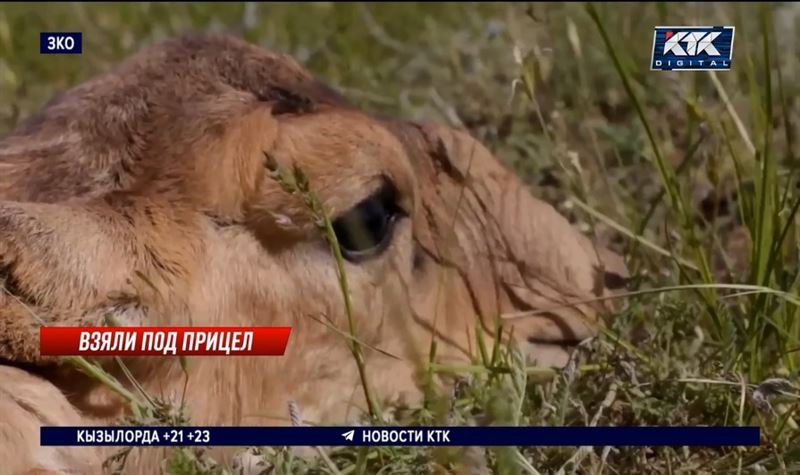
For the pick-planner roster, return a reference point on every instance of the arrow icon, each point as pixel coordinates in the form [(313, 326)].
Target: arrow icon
[(349, 435)]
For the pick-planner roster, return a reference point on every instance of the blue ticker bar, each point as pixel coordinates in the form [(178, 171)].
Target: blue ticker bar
[(396, 436)]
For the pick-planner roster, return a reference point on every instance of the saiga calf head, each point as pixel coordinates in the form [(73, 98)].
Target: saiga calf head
[(143, 195)]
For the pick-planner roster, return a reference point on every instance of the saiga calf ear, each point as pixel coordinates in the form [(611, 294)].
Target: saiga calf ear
[(202, 164), (210, 154), (77, 261)]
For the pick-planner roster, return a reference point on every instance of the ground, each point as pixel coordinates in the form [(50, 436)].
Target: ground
[(691, 175)]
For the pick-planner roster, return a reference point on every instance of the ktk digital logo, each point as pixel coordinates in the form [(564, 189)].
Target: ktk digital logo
[(692, 48)]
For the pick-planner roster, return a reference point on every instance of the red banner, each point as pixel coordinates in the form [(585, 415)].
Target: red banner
[(163, 341)]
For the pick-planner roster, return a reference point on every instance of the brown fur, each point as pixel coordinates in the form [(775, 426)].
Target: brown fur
[(156, 169)]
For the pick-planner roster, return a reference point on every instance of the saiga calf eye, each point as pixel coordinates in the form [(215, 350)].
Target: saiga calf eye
[(368, 228)]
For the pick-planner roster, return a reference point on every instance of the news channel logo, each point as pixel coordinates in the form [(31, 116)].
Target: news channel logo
[(692, 48), (60, 43)]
